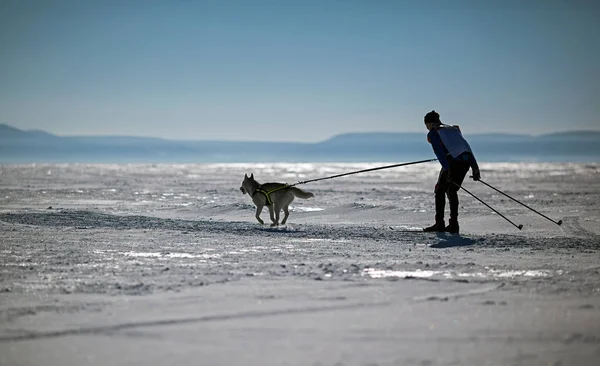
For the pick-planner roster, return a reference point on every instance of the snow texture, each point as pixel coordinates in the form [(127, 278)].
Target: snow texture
[(166, 264)]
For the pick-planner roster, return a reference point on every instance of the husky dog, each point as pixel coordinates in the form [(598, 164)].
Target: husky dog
[(276, 196)]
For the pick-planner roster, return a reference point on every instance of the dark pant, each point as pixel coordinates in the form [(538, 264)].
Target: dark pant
[(458, 171)]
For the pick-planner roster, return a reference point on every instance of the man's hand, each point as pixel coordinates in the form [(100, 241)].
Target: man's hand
[(476, 174)]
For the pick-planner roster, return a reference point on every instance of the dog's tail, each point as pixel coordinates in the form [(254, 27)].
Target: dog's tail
[(300, 193)]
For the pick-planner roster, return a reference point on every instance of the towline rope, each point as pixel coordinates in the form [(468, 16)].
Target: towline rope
[(363, 171)]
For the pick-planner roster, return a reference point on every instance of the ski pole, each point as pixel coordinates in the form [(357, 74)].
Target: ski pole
[(559, 222), (490, 207), (365, 170)]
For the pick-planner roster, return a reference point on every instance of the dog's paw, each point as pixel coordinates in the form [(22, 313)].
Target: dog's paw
[(261, 222), (274, 224)]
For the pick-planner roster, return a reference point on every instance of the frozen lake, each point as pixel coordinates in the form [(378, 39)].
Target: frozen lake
[(158, 264)]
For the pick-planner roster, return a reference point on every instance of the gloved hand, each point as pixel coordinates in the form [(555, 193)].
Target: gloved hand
[(476, 174)]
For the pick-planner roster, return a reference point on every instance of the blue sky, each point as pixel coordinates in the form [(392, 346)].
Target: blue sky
[(297, 70)]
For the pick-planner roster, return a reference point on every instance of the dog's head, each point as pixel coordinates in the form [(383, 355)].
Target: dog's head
[(247, 183)]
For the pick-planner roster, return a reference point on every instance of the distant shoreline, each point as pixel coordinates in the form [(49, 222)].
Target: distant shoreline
[(18, 147)]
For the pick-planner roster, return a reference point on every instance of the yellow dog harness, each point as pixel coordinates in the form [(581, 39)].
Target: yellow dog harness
[(268, 193)]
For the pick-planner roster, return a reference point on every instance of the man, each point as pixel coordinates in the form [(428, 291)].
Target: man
[(456, 157)]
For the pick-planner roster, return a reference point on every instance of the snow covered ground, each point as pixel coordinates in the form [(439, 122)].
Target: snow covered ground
[(165, 264)]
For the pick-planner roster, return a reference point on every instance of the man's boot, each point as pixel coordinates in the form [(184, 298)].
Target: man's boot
[(452, 227), (439, 226)]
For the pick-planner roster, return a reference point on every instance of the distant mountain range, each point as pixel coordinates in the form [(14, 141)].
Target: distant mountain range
[(17, 146)]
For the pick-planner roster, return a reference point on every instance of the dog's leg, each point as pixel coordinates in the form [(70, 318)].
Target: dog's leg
[(286, 213), (277, 209), (258, 211), (272, 213)]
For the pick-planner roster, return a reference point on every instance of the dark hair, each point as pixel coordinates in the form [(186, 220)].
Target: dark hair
[(432, 117)]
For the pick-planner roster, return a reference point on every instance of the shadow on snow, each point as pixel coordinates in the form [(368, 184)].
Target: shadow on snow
[(451, 241)]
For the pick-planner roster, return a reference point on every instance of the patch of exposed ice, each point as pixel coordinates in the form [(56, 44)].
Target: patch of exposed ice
[(522, 273), (491, 273), (159, 254), (306, 209), (314, 240), (382, 273)]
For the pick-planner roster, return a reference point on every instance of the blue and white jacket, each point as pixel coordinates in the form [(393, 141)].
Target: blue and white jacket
[(449, 144)]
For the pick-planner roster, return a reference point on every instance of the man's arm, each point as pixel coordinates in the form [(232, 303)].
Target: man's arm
[(475, 168), (438, 148)]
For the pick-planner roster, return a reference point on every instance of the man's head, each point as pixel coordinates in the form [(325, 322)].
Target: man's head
[(432, 120)]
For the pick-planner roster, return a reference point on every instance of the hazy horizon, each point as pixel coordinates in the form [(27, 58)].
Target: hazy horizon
[(19, 146), (491, 133), (303, 72)]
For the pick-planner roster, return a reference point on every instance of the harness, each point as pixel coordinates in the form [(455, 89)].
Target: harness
[(268, 193)]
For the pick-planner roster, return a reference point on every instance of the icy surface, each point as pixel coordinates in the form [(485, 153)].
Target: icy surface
[(160, 264)]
